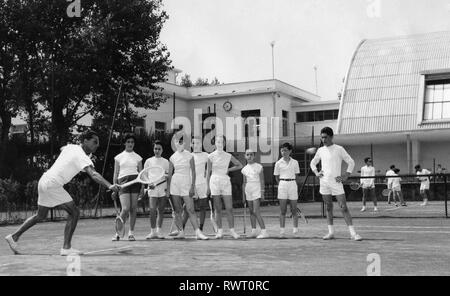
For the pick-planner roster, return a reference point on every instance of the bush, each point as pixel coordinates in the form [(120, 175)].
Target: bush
[(10, 192)]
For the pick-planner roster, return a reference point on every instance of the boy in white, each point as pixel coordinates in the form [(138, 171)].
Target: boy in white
[(72, 160), (397, 188), (331, 157), (286, 173), (182, 187), (158, 195), (390, 173), (254, 191), (127, 166), (200, 160), (219, 185), (424, 184), (368, 185)]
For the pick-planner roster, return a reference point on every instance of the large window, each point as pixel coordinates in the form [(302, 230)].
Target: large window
[(313, 116), (437, 100)]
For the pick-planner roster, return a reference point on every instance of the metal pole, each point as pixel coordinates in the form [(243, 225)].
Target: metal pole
[(295, 138), (273, 60), (317, 88), (445, 196)]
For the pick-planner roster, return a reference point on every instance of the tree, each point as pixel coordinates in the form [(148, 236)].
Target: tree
[(186, 81)]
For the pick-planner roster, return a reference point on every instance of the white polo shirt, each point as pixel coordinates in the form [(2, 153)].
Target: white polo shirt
[(69, 163), (424, 181), (367, 171), (286, 170), (331, 158)]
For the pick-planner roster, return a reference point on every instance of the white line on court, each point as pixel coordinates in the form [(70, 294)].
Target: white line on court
[(7, 264), (412, 227), (407, 231)]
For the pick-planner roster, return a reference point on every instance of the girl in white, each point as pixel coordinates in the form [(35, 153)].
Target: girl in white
[(200, 160), (219, 185), (254, 192), (424, 184), (286, 172), (157, 195), (182, 187), (396, 187), (127, 166)]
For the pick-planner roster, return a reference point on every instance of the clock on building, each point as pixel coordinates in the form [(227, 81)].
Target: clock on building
[(227, 106)]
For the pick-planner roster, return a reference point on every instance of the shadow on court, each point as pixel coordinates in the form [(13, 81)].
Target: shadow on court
[(407, 246)]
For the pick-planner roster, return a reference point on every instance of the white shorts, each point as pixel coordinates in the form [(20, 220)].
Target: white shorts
[(200, 191), (253, 191), (424, 187), (288, 190), (220, 185), (51, 194), (159, 191), (397, 189), (331, 187), (180, 185)]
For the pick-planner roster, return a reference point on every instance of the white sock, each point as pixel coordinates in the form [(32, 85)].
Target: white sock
[(282, 230), (130, 232), (253, 230), (263, 230), (153, 230), (352, 230), (232, 230), (330, 229), (220, 231), (295, 230), (158, 230)]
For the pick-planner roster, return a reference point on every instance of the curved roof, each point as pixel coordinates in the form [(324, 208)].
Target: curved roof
[(382, 86)]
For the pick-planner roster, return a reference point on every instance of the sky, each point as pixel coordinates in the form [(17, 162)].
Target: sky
[(230, 39)]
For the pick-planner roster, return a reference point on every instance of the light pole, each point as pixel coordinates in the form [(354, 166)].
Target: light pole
[(315, 71), (272, 44)]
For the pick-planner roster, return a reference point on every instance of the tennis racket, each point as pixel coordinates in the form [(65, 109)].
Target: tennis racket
[(355, 186), (119, 224), (300, 213), (157, 184), (211, 217), (148, 175)]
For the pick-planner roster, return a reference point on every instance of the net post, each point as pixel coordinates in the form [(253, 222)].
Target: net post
[(445, 196)]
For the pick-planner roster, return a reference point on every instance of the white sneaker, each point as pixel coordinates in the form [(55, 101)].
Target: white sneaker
[(295, 230), (363, 209), (159, 235), (356, 237), (253, 234), (282, 235), (329, 236), (219, 235), (375, 209), (174, 233), (12, 244), (200, 235), (71, 251), (423, 204), (180, 235), (116, 238), (152, 235), (234, 235), (263, 235)]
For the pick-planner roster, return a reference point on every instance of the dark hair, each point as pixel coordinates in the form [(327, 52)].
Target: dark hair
[(396, 170), (327, 130), (417, 167), (157, 142), (129, 136), (87, 135), (288, 146), (367, 159), (392, 167)]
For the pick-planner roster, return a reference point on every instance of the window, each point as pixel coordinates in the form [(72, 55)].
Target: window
[(249, 126), (437, 99), (312, 116), (160, 128), (285, 123)]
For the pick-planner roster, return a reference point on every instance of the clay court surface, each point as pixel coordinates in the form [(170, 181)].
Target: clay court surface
[(418, 245)]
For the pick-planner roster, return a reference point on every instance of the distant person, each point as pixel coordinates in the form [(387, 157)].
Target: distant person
[(368, 185), (397, 189), (424, 184), (390, 173)]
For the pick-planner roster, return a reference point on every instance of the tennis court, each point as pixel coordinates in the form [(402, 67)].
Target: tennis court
[(406, 246)]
